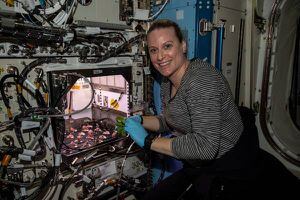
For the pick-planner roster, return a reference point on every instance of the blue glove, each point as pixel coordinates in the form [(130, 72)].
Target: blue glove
[(136, 131), (137, 118)]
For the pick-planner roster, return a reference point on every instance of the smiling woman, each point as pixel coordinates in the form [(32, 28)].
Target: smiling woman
[(167, 52), (198, 109)]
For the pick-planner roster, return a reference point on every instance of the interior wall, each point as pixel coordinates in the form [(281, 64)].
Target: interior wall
[(283, 133)]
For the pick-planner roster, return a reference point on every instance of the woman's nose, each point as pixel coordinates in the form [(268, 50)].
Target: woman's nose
[(160, 55)]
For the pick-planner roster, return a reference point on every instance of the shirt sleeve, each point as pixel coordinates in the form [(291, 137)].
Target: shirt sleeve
[(163, 127), (204, 102)]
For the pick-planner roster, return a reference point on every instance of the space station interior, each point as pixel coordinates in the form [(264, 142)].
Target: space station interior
[(70, 70)]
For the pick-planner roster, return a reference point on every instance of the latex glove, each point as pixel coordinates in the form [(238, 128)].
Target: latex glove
[(136, 131), (137, 118)]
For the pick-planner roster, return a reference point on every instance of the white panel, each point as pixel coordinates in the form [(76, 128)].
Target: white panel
[(111, 80), (230, 43), (234, 4), (96, 80), (81, 98), (4, 7), (119, 81), (99, 11), (103, 80)]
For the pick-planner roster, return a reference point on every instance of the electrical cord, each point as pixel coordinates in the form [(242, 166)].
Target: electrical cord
[(7, 125), (67, 184), (158, 12), (4, 97), (112, 53), (102, 151), (18, 131), (23, 77), (50, 191), (154, 15), (85, 107), (25, 116), (26, 103), (112, 32), (45, 183), (43, 15), (35, 63), (38, 136), (132, 186), (121, 170), (21, 184)]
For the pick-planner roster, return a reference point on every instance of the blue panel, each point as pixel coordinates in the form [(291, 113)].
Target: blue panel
[(203, 43), (187, 14)]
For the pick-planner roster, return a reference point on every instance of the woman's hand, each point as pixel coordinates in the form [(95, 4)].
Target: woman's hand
[(136, 131), (137, 118)]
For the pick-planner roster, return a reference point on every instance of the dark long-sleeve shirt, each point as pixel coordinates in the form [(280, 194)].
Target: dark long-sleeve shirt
[(202, 114)]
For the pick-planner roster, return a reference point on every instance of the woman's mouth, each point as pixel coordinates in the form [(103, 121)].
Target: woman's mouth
[(164, 64)]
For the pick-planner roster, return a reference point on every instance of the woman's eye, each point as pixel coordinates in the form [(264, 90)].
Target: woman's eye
[(168, 46), (152, 51)]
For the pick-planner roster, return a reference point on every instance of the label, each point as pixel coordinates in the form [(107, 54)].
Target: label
[(179, 14)]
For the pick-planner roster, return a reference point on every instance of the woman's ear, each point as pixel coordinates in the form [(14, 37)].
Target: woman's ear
[(184, 47)]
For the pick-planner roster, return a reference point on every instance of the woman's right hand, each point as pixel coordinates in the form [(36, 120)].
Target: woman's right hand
[(137, 118), (136, 131)]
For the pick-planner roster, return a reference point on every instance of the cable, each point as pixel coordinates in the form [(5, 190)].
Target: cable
[(38, 136), (16, 183), (158, 12), (67, 184), (154, 15), (42, 13), (113, 32), (4, 98), (121, 170), (114, 52), (102, 151), (74, 4), (7, 125), (23, 77), (25, 115), (85, 107), (29, 19), (45, 183), (50, 191), (18, 131)]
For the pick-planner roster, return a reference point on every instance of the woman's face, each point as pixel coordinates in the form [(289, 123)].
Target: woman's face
[(166, 52)]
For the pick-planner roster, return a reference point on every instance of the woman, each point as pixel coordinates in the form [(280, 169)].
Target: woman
[(197, 107)]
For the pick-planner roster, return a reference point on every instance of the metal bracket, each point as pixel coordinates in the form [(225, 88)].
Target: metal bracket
[(206, 26)]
